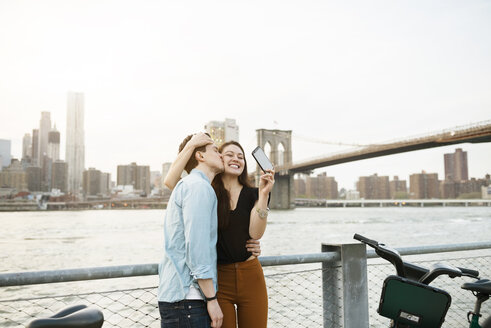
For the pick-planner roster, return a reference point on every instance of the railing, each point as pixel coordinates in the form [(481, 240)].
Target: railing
[(344, 292)]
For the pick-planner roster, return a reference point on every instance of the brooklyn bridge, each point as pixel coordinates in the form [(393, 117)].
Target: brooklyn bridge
[(281, 154)]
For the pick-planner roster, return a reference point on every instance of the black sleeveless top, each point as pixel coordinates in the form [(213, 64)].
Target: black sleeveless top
[(231, 244)]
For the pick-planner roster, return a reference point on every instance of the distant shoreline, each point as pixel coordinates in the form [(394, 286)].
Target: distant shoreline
[(300, 202), (82, 206), (20, 206)]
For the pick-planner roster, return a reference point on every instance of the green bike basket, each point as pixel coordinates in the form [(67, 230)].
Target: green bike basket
[(412, 303)]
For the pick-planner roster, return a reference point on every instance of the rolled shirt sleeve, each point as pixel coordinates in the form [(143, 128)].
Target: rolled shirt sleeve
[(200, 229)]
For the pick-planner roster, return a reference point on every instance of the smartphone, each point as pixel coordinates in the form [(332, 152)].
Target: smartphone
[(261, 159)]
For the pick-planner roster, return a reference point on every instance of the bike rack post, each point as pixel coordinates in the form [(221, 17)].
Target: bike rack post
[(344, 287)]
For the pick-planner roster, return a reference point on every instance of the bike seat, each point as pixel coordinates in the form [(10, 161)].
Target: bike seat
[(481, 286), (78, 316)]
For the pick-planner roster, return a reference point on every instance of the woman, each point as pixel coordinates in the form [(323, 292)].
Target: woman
[(242, 214)]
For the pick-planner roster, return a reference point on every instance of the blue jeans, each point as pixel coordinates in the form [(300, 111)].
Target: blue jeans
[(184, 314)]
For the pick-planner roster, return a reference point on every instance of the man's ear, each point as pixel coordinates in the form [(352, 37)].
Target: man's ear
[(199, 156)]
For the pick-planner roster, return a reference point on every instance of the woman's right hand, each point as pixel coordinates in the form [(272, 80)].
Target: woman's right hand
[(254, 246), (199, 139)]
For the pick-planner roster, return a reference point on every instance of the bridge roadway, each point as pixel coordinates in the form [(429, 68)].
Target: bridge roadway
[(390, 202), (475, 133)]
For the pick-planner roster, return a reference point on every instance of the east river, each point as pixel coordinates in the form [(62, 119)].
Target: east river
[(35, 241), (70, 239)]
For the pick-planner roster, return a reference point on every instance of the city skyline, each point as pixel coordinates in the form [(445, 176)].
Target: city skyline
[(357, 73), (458, 150)]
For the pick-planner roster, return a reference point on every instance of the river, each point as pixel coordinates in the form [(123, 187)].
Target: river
[(70, 239), (32, 241)]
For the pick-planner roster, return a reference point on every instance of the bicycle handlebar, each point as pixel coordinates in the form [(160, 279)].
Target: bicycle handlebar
[(411, 271), (469, 272), (366, 240), (387, 253)]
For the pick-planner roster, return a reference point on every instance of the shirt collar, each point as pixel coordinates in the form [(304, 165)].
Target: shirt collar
[(201, 174)]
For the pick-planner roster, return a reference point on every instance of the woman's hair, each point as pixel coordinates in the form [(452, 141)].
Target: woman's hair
[(223, 195)]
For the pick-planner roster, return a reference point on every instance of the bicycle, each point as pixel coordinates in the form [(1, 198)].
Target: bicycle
[(409, 300)]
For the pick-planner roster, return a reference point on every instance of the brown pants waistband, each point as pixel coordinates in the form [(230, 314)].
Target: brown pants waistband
[(239, 265)]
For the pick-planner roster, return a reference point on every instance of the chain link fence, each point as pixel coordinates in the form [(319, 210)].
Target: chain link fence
[(295, 297)]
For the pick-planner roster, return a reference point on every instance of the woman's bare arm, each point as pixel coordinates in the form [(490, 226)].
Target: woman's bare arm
[(259, 213), (175, 170)]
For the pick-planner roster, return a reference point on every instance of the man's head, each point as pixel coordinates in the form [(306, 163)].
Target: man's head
[(207, 155)]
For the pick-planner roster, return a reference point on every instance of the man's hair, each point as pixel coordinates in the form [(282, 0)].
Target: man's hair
[(192, 163)]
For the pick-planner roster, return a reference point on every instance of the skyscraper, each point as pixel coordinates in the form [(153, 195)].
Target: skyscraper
[(231, 130), (456, 168), (96, 183), (136, 175), (5, 154), (44, 128), (27, 146), (92, 182), (54, 144), (14, 176), (321, 187), (397, 188), (223, 131), (373, 187), (33, 178), (75, 145), (59, 173), (105, 183), (424, 185), (35, 147)]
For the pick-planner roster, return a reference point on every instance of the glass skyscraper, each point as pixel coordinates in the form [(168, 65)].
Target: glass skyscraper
[(5, 155), (75, 145)]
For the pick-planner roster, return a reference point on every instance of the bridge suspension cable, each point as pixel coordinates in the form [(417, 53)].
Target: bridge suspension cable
[(316, 140)]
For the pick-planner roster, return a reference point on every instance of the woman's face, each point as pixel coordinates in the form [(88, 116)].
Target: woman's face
[(233, 160)]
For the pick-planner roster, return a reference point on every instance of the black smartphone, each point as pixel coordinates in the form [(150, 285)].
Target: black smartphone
[(261, 159)]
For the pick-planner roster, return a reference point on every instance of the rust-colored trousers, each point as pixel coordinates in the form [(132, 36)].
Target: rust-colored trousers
[(242, 284)]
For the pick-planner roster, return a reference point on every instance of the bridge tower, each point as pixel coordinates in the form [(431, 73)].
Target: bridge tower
[(280, 141)]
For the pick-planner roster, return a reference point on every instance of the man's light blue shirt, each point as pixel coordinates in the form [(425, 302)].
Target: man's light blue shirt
[(190, 238)]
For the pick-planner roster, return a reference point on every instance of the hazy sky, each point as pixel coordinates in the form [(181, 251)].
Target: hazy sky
[(344, 71)]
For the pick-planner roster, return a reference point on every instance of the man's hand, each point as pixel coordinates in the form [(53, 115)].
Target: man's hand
[(254, 246), (215, 313)]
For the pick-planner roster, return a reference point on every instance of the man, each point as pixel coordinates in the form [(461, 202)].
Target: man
[(188, 271)]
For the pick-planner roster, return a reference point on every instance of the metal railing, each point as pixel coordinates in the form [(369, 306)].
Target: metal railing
[(343, 292)]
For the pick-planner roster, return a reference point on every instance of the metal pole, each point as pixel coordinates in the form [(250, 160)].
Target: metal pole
[(345, 287), (331, 314)]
